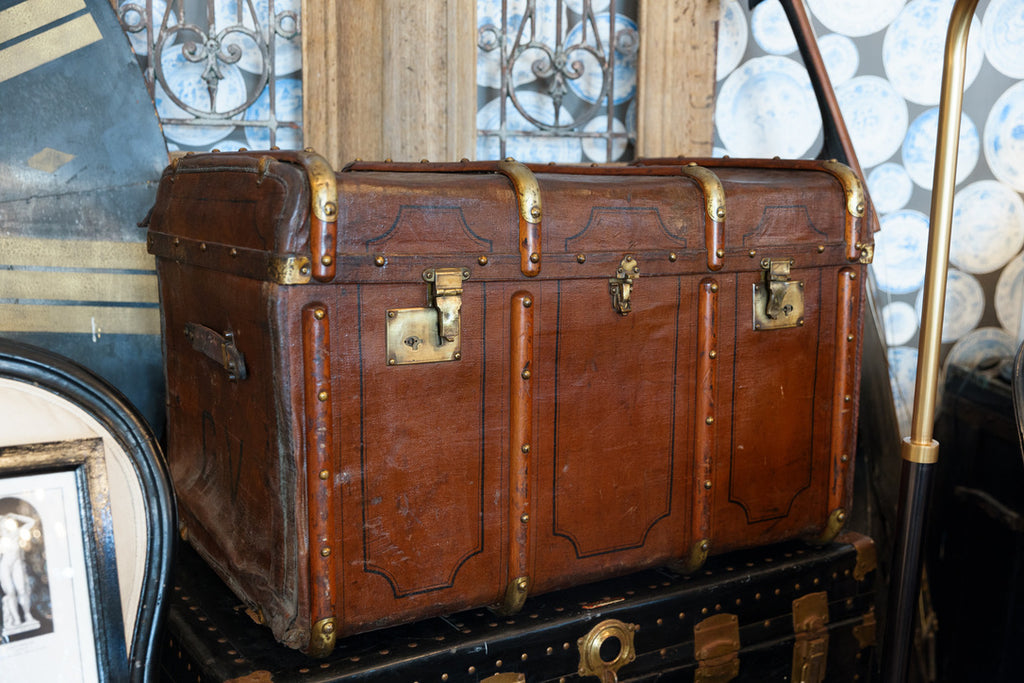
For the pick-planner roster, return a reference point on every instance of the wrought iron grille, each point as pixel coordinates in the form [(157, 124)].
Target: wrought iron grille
[(556, 79), (223, 74)]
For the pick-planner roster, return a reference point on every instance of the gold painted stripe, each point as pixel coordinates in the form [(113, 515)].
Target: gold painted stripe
[(46, 47), (78, 286), (75, 254), (94, 320), (32, 14)]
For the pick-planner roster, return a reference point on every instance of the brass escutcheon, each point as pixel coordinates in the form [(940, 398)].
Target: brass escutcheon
[(593, 662)]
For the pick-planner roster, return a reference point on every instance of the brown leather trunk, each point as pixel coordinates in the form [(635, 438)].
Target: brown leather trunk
[(402, 390)]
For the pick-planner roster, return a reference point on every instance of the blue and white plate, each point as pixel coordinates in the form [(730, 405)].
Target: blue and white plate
[(919, 148), (1003, 30), (841, 57), (771, 29), (1009, 296), (589, 85), (902, 379), (521, 147), (1004, 137), (488, 62), (984, 343), (596, 149), (732, 38), (854, 19), (767, 108), (900, 322), (912, 52), (965, 304), (287, 108), (988, 226), (901, 250), (185, 80), (876, 116), (890, 187)]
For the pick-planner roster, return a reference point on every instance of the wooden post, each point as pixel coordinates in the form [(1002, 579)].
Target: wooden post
[(389, 79), (676, 78)]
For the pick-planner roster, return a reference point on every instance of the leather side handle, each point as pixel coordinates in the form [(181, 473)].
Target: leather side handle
[(220, 348)]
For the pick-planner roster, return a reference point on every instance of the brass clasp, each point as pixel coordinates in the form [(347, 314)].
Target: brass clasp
[(621, 286), (716, 642), (446, 291), (810, 649), (429, 334), (778, 301)]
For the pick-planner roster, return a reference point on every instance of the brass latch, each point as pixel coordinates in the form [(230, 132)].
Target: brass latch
[(606, 649), (864, 632), (716, 644), (778, 301), (621, 286), (430, 334), (810, 649)]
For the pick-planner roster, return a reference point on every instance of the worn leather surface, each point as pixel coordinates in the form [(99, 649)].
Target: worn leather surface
[(648, 432)]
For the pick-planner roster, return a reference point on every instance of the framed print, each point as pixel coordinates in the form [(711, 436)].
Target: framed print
[(60, 616), (46, 397)]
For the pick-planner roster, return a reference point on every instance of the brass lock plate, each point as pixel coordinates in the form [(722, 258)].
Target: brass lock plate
[(429, 334), (778, 301)]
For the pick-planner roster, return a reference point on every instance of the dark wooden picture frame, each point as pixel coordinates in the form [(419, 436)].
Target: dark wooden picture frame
[(61, 609)]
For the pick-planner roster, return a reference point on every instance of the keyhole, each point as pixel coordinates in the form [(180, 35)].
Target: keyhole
[(610, 650), (787, 309), (413, 342)]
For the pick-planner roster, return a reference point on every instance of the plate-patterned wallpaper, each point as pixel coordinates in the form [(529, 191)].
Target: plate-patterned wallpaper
[(884, 58)]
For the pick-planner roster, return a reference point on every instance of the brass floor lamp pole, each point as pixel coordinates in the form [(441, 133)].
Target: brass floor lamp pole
[(920, 451)]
